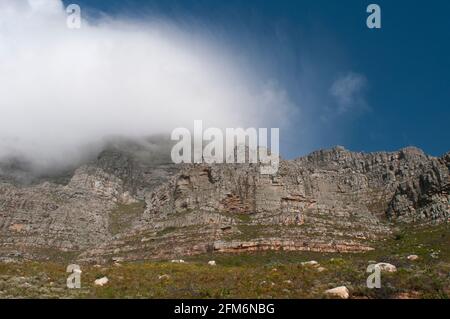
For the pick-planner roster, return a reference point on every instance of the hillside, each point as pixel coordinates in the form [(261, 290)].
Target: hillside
[(131, 204)]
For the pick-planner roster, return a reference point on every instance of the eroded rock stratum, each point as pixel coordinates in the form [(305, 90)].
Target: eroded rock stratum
[(124, 205)]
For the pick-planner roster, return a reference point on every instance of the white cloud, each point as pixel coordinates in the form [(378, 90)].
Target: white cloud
[(348, 90), (61, 89)]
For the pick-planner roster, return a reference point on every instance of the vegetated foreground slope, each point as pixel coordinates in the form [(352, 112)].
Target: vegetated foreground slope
[(270, 274)]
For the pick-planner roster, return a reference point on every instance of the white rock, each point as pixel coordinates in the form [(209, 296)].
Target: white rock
[(101, 281), (165, 276), (386, 267), (340, 292), (413, 257), (310, 263), (177, 261), (212, 262)]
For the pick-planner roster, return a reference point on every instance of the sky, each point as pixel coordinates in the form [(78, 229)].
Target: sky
[(312, 68), (397, 77)]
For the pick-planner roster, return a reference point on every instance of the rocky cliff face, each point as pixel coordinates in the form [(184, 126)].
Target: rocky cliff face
[(128, 204)]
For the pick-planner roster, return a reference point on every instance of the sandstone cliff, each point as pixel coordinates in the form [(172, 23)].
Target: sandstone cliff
[(129, 204)]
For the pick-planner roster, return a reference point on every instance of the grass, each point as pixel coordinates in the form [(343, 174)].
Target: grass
[(257, 275), (166, 231), (122, 216), (241, 217)]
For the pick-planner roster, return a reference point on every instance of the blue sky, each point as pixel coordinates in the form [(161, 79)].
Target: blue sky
[(368, 90)]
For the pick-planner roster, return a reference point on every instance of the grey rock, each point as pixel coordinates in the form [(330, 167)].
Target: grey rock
[(130, 203)]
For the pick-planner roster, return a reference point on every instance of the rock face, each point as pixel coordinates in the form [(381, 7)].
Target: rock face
[(127, 204)]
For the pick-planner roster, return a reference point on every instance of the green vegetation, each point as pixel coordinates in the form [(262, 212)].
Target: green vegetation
[(122, 216), (166, 231), (242, 217), (258, 275), (251, 232)]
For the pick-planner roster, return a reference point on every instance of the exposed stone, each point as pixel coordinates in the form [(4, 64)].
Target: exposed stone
[(310, 263), (386, 267), (101, 281), (163, 277), (339, 292), (329, 201)]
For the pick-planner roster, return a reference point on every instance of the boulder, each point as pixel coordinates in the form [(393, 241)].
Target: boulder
[(101, 281), (386, 267), (339, 292), (310, 263)]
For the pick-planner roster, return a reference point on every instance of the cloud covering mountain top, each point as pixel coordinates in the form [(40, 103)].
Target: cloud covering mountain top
[(62, 89)]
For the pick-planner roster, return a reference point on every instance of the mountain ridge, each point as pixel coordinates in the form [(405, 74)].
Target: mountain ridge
[(123, 205)]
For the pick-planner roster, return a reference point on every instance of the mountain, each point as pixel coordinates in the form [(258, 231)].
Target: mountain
[(132, 203)]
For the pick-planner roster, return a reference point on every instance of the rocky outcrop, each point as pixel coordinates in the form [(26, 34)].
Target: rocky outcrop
[(425, 196), (287, 245), (125, 204)]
